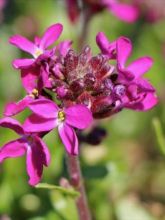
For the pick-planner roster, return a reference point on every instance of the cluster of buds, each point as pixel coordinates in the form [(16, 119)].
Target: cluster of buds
[(125, 12), (68, 90)]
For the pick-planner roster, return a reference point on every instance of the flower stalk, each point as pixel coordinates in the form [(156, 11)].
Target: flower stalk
[(77, 182)]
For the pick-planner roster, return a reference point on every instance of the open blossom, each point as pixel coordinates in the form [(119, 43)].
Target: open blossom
[(37, 154), (135, 92), (47, 115), (38, 48), (125, 12), (35, 78), (29, 78), (86, 86)]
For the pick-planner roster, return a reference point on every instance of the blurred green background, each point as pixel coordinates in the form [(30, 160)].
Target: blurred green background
[(125, 175)]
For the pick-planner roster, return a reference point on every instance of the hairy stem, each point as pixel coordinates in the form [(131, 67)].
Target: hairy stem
[(77, 182)]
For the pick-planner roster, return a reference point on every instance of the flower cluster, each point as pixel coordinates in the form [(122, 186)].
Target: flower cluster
[(125, 12), (66, 90)]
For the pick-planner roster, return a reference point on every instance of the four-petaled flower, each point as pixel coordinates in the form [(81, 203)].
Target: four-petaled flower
[(142, 92), (37, 153), (38, 47), (47, 115)]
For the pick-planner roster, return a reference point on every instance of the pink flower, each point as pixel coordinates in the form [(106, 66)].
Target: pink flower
[(30, 80), (128, 89), (38, 47), (37, 154), (47, 115), (125, 12), (142, 92)]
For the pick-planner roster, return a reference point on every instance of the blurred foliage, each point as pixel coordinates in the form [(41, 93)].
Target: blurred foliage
[(124, 175)]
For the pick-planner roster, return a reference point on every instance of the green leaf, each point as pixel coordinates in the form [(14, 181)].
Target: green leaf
[(159, 134), (66, 191)]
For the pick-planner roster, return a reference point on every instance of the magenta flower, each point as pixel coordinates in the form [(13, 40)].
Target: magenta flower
[(142, 92), (38, 47), (37, 154), (128, 89), (33, 89), (47, 115), (125, 12)]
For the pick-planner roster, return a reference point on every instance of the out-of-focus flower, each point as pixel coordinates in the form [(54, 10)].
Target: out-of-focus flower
[(152, 10), (125, 12), (36, 49), (47, 115), (2, 6), (37, 154)]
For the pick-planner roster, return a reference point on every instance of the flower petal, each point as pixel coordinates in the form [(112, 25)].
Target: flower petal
[(140, 66), (29, 78), (78, 116), (12, 124), (51, 35), (34, 163), (14, 148), (22, 63), (69, 139), (15, 108), (34, 123), (44, 151), (148, 103), (125, 12), (44, 108), (23, 43), (144, 85), (124, 48), (108, 48), (64, 46)]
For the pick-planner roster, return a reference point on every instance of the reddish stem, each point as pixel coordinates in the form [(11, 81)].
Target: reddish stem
[(85, 19), (77, 182)]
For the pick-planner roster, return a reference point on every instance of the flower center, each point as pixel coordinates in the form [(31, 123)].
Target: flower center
[(34, 94), (61, 116), (38, 52)]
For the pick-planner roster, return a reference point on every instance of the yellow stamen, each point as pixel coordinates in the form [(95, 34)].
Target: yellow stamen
[(61, 116), (34, 94), (38, 52)]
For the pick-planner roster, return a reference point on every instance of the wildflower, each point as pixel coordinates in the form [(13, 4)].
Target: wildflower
[(142, 92), (47, 115), (37, 154), (37, 48), (33, 90), (125, 12)]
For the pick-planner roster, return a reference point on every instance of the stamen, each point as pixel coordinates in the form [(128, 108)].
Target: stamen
[(34, 94), (61, 116), (38, 52)]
